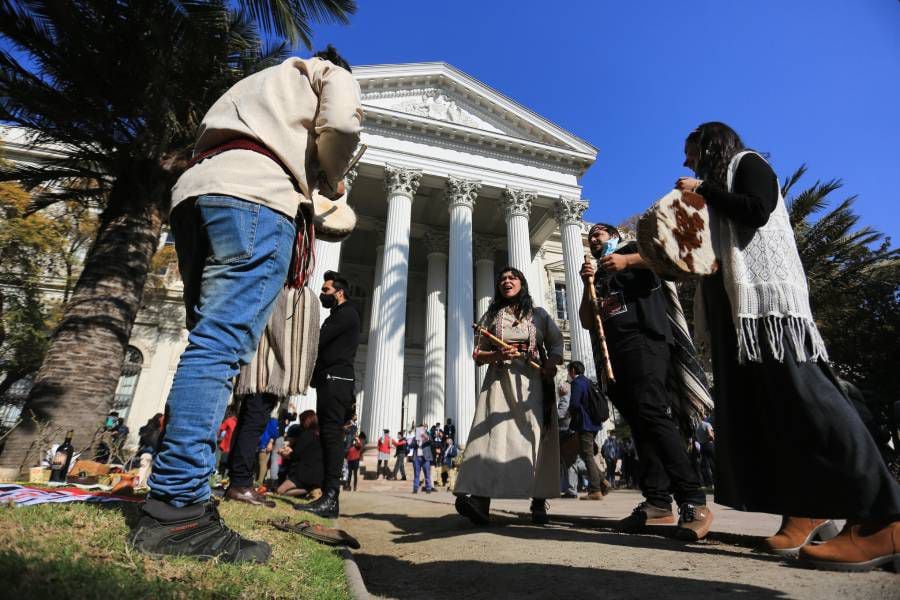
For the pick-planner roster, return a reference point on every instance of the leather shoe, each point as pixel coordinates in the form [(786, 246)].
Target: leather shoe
[(327, 506), (860, 547), (646, 514), (694, 523), (248, 495), (796, 532), (598, 495)]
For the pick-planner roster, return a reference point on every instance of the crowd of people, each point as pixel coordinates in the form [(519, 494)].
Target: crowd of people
[(786, 441)]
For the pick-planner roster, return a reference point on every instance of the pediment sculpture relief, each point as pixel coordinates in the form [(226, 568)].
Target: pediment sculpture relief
[(434, 104)]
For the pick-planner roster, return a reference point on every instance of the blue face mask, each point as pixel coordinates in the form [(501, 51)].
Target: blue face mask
[(609, 246)]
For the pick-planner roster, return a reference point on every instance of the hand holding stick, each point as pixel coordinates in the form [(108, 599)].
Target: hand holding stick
[(598, 324), (482, 331)]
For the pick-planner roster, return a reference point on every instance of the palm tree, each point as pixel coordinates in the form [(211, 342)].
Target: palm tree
[(120, 87), (854, 289)]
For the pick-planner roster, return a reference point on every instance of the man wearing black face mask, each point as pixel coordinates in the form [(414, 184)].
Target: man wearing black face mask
[(333, 379)]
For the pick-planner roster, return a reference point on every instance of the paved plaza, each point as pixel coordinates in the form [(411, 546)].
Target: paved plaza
[(416, 546)]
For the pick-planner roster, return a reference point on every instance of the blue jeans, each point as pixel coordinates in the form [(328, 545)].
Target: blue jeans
[(420, 463), (234, 257)]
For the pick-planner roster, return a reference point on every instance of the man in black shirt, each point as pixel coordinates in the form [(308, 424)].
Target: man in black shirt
[(333, 378), (638, 334)]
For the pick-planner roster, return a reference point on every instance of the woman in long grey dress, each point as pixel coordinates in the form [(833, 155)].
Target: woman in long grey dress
[(513, 445)]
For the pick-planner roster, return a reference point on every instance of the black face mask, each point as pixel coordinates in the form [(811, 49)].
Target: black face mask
[(328, 300)]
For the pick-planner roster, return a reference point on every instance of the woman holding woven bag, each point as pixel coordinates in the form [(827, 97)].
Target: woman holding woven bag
[(788, 441)]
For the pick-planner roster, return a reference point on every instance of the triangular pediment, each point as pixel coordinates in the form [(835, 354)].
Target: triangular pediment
[(442, 105), (442, 93)]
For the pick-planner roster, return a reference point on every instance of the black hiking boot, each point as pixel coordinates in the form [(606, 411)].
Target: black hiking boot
[(326, 507), (201, 534)]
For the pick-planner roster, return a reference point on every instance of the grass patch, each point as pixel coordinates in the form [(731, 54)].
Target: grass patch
[(78, 551)]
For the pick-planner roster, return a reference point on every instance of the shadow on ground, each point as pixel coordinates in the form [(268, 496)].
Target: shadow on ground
[(57, 577), (413, 530), (392, 577)]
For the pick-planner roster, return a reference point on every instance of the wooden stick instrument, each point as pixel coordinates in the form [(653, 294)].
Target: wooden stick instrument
[(482, 331), (598, 325), (355, 159)]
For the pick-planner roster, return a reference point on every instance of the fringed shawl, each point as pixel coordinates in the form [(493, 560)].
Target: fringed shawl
[(765, 283)]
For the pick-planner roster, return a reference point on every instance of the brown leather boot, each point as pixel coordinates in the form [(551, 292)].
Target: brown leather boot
[(796, 532), (248, 495), (694, 523), (859, 547), (598, 495)]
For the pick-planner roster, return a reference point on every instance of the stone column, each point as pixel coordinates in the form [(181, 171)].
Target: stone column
[(431, 404), (568, 215), (369, 382), (538, 292), (484, 289), (382, 408), (517, 206), (460, 399), (328, 258)]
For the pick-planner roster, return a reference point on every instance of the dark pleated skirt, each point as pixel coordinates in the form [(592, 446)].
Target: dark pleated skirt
[(788, 441)]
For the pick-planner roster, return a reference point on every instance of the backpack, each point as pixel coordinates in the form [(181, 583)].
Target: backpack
[(597, 404)]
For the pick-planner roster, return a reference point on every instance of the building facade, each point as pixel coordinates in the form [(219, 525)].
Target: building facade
[(457, 181)]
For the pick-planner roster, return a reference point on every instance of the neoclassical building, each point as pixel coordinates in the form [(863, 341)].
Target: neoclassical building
[(458, 181)]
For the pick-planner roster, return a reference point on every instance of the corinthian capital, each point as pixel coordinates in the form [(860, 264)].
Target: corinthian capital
[(462, 192), (517, 202), (398, 180), (569, 211)]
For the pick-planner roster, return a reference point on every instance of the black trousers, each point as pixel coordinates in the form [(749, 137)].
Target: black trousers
[(335, 405), (244, 455), (640, 365)]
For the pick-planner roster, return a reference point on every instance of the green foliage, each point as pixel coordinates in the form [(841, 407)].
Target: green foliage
[(854, 287), (31, 246)]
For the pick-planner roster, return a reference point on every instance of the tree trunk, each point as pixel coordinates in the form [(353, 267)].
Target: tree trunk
[(75, 386)]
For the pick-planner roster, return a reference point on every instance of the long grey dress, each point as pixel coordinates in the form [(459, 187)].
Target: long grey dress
[(510, 453)]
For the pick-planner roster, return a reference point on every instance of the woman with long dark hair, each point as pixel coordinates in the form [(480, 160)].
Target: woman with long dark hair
[(513, 445), (787, 440), (303, 453)]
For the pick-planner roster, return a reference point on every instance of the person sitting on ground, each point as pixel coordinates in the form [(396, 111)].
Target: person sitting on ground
[(148, 444), (303, 455)]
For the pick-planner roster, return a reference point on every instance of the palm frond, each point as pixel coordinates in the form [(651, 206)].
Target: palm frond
[(292, 19)]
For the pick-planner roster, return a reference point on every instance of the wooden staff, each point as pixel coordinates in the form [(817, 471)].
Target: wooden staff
[(482, 331), (598, 324)]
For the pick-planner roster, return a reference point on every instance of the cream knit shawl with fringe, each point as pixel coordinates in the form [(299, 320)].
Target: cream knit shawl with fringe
[(766, 284)]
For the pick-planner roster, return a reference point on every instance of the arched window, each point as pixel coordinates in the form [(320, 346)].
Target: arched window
[(131, 371)]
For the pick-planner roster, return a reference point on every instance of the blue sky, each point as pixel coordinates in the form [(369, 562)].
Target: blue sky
[(808, 81)]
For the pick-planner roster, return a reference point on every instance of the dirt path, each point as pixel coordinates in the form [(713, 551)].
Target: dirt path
[(416, 546)]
